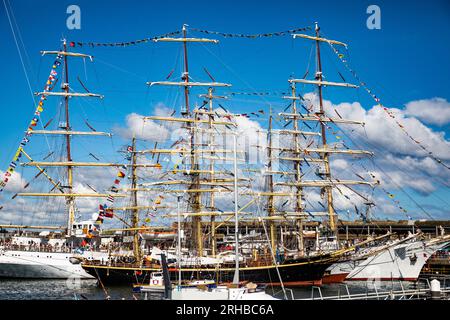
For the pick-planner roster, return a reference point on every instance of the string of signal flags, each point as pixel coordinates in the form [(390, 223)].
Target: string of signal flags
[(222, 34), (49, 85)]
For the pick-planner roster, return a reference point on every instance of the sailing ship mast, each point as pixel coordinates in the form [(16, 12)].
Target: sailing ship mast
[(193, 121), (297, 176), (66, 131), (195, 198), (332, 215), (70, 200), (323, 151), (299, 155), (134, 203), (270, 199)]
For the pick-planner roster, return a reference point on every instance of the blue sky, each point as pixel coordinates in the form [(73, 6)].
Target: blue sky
[(407, 60)]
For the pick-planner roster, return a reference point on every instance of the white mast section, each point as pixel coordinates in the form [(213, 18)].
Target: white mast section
[(324, 83), (186, 40), (84, 164), (69, 94), (189, 84), (319, 39), (79, 195), (75, 133), (69, 54)]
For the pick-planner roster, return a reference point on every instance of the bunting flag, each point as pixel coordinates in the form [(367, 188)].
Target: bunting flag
[(120, 175), (122, 44), (99, 220), (49, 85), (149, 39), (386, 110), (158, 199), (104, 211), (253, 36), (117, 180)]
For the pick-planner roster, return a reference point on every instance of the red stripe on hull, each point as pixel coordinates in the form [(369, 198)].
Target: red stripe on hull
[(334, 278)]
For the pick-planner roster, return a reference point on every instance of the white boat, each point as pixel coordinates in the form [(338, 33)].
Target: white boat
[(44, 265), (156, 284), (203, 290), (248, 292), (40, 258), (402, 261)]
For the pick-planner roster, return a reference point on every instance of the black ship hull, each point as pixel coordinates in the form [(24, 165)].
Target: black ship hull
[(296, 272)]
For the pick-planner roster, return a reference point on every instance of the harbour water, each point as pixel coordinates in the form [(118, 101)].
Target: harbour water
[(58, 290), (89, 290)]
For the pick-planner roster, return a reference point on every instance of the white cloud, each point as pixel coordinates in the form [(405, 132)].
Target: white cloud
[(339, 164), (15, 183), (433, 111), (32, 211), (142, 129)]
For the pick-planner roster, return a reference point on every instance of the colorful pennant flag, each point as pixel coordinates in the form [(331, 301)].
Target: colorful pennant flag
[(34, 121)]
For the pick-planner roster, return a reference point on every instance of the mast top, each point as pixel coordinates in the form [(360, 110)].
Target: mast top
[(185, 39), (70, 54), (64, 52), (318, 38), (298, 35)]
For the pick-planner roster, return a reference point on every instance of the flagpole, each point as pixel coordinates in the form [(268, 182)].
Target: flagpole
[(136, 245), (179, 242), (69, 200), (236, 222)]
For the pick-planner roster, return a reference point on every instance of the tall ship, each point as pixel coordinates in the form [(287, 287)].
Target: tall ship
[(200, 178), (230, 210), (50, 254)]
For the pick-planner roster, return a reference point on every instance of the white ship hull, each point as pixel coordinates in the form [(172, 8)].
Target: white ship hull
[(339, 271), (42, 265), (400, 262), (219, 293)]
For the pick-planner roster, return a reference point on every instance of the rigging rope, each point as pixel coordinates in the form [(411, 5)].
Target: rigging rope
[(18, 50)]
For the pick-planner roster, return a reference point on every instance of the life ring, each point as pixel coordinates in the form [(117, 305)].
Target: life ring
[(155, 282)]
